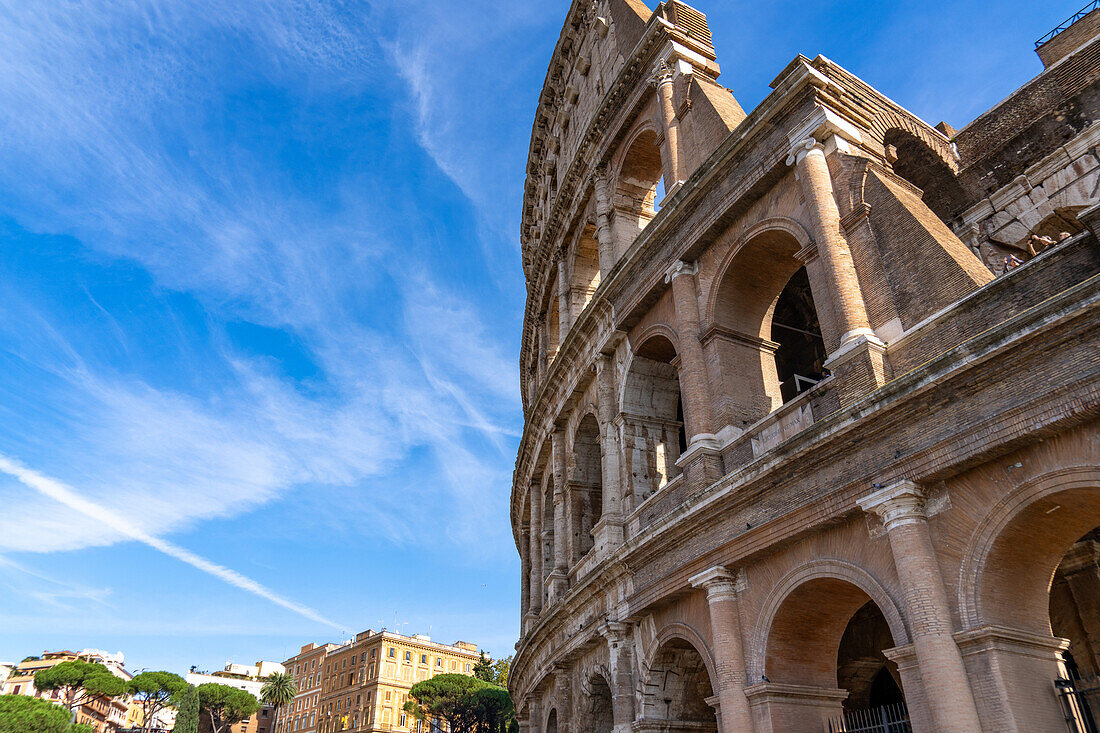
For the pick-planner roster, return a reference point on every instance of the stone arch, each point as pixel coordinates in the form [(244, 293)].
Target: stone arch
[(585, 485), (595, 705), (887, 121), (636, 185), (651, 413), (586, 267), (764, 362), (678, 681), (1003, 534), (912, 158), (551, 721), (821, 569)]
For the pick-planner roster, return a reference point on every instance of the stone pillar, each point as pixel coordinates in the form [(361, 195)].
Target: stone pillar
[(565, 300), (621, 667), (670, 126), (608, 531), (559, 577), (533, 714), (702, 447), (728, 648), (563, 691), (524, 577), (604, 235), (946, 685), (534, 601), (817, 187)]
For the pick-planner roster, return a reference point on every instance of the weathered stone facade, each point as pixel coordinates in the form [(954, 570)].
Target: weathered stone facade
[(796, 443)]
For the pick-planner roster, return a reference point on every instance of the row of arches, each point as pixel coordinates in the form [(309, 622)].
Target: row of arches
[(836, 640)]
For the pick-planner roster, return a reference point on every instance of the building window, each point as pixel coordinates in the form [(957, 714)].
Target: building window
[(408, 656), (439, 661), (362, 657), (403, 720), (372, 651), (393, 652), (423, 658)]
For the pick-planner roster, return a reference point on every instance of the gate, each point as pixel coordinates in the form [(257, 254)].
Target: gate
[(886, 719)]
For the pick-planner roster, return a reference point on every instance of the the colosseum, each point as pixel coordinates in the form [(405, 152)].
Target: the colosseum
[(811, 396)]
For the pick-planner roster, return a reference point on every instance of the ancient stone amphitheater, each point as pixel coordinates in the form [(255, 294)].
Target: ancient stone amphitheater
[(811, 396)]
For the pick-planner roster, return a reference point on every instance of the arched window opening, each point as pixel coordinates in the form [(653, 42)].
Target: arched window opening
[(586, 269), (636, 192), (585, 487), (828, 636), (652, 420), (1052, 230), (677, 688), (1075, 612), (596, 715), (800, 354), (872, 680), (917, 163), (547, 536), (553, 326), (766, 335), (552, 722)]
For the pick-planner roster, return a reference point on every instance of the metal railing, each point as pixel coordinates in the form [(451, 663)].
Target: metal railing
[(1080, 700), (886, 719), (1069, 21)]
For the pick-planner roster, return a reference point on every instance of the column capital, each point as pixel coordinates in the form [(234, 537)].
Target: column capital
[(719, 582), (662, 73), (679, 267), (614, 631), (802, 148), (898, 504)]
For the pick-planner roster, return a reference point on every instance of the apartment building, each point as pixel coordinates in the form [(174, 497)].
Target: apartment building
[(362, 686), (104, 715)]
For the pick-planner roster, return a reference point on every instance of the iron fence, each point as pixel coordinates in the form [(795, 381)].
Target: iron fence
[(886, 719), (1080, 700), (1069, 21)]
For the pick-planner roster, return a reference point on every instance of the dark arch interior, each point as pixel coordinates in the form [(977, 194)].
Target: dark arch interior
[(595, 708), (800, 358), (586, 488), (921, 166), (863, 670), (653, 419), (678, 685)]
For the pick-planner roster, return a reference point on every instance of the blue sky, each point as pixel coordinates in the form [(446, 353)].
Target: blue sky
[(261, 298)]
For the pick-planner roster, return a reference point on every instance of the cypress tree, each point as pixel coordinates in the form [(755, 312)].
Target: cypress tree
[(187, 720)]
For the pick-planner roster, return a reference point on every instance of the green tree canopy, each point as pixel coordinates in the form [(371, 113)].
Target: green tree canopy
[(501, 667), (79, 681), (483, 670), (187, 717), (23, 714), (447, 697), (224, 705), (155, 690), (493, 709)]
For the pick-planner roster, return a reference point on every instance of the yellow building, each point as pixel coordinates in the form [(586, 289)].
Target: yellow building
[(362, 686)]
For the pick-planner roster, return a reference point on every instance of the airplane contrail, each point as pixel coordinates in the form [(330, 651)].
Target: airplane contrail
[(66, 495)]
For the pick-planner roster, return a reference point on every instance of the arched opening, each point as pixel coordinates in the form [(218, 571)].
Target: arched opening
[(586, 269), (586, 486), (553, 321), (525, 559), (1040, 580), (596, 714), (829, 638), (677, 688), (1053, 229), (552, 722), (871, 680), (637, 188), (913, 160), (766, 334), (652, 417), (800, 354)]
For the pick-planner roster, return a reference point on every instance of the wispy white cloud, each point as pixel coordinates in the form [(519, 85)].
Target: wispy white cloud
[(68, 497)]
